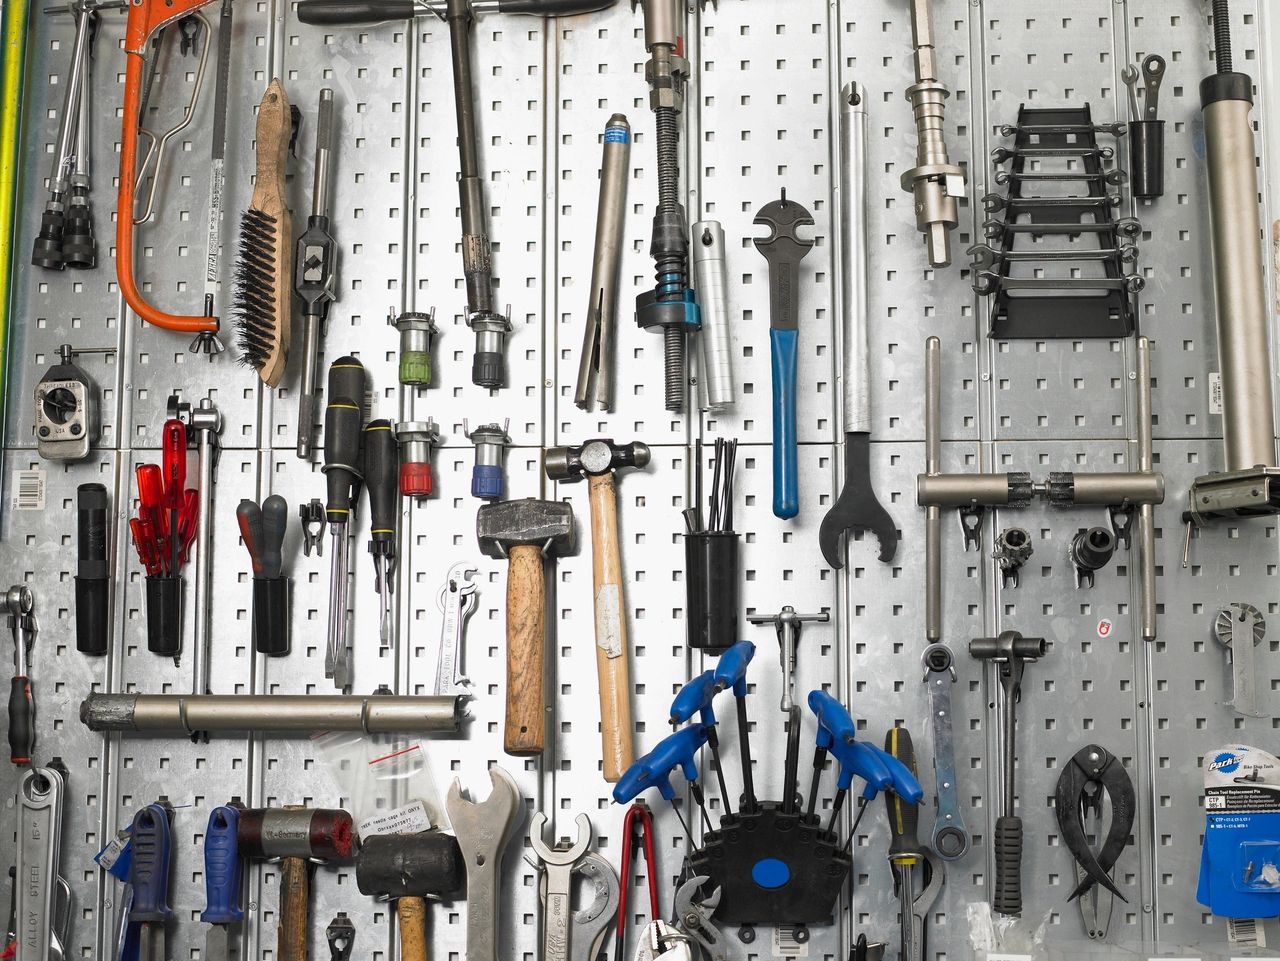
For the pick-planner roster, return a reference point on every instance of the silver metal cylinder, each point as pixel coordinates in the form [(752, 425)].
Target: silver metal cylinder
[(932, 405), (711, 281), (1146, 512), (856, 394), (285, 713), (491, 441), (933, 518), (661, 23), (1248, 417), (933, 574), (62, 155), (1102, 490), (321, 184), (963, 490), (206, 421)]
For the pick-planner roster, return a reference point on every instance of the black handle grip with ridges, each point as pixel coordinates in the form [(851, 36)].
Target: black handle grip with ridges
[(382, 478), (338, 13), (1007, 898), (904, 817), (22, 720), (343, 418)]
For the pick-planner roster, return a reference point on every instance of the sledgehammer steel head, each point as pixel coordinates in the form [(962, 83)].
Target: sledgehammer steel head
[(548, 524)]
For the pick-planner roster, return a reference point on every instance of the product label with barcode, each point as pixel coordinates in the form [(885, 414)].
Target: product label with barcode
[(1215, 392), (785, 944), (28, 489), (1245, 933), (410, 819)]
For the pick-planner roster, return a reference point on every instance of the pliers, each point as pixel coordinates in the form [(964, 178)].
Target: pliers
[(637, 833), (693, 916)]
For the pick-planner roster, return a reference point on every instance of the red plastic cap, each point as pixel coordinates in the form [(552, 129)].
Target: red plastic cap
[(415, 480)]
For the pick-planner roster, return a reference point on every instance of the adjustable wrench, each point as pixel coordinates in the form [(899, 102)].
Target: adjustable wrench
[(43, 898), (784, 249), (483, 831), (457, 600), (558, 865)]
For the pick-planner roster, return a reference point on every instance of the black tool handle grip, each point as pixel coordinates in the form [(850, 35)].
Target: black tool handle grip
[(22, 720), (1007, 898), (93, 570), (382, 477), (337, 13), (275, 524), (343, 418), (249, 517), (904, 817)]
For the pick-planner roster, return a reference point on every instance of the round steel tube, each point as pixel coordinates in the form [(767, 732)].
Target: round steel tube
[(1146, 512), (962, 490), (1125, 488)]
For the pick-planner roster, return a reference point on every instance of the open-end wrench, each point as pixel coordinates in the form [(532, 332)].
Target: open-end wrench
[(784, 249), (857, 508), (483, 831), (457, 600), (558, 864)]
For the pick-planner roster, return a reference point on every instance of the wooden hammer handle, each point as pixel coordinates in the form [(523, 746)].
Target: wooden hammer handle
[(612, 649), (295, 895), (413, 928), (526, 657)]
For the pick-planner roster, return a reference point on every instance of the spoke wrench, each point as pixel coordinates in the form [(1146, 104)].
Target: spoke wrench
[(457, 599)]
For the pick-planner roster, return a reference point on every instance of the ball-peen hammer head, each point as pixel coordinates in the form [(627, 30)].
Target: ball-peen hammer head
[(595, 457)]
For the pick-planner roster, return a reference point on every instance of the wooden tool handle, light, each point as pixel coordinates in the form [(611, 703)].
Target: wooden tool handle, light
[(295, 895), (612, 649), (413, 929), (273, 132), (526, 658)]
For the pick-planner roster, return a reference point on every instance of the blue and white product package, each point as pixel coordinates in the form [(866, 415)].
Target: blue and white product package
[(1240, 860)]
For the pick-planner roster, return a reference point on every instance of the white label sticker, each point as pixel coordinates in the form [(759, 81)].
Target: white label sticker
[(1104, 627), (609, 620), (28, 490), (1245, 933), (1215, 392), (109, 855), (785, 944), (410, 819)]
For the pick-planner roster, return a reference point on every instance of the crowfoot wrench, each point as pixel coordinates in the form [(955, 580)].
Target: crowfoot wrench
[(783, 249), (457, 599), (693, 916), (590, 924), (557, 865), (483, 830), (43, 898), (857, 508)]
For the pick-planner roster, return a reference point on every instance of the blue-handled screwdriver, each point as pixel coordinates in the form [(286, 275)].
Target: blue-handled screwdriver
[(221, 881)]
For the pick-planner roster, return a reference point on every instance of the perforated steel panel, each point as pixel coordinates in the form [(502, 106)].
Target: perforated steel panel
[(759, 118)]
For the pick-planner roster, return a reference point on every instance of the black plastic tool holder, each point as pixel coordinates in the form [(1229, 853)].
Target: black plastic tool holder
[(1084, 312), (271, 616), (712, 579), (164, 615), (1146, 153), (814, 864)]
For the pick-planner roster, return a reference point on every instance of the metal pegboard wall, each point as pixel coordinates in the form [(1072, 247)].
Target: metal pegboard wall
[(759, 118)]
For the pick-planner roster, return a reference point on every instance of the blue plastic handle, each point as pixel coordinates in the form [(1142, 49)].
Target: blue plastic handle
[(676, 750), (786, 482), (834, 720), (731, 669), (486, 482), (149, 873), (222, 868), (905, 784), (695, 697), (860, 759)]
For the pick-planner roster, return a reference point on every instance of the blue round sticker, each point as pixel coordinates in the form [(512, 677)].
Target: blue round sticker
[(770, 873)]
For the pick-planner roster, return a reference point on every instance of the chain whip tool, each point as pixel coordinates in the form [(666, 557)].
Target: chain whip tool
[(457, 601), (936, 184), (43, 897), (950, 837), (857, 508), (315, 273), (343, 420), (598, 337), (711, 281), (669, 308), (22, 701)]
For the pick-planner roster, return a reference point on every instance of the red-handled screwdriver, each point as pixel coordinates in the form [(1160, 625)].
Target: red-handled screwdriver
[(174, 467), (144, 542)]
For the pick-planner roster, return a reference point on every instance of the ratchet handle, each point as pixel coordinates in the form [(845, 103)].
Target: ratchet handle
[(381, 477), (786, 483), (149, 872), (904, 815), (222, 867), (22, 716), (337, 13), (1007, 898)]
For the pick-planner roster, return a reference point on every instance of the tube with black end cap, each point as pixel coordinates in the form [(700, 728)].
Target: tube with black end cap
[(382, 477), (93, 570)]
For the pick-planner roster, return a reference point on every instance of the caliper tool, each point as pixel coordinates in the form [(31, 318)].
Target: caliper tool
[(1093, 773), (1011, 652), (906, 853), (784, 249), (344, 472), (637, 839), (950, 836), (483, 830), (20, 603), (262, 528), (221, 881), (148, 19), (857, 508), (382, 478), (42, 906), (457, 601), (315, 271), (557, 864)]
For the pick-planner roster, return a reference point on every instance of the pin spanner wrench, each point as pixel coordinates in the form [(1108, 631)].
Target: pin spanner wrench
[(44, 898), (591, 923), (558, 865)]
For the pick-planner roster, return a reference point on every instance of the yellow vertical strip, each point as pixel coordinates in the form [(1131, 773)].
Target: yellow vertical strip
[(13, 67)]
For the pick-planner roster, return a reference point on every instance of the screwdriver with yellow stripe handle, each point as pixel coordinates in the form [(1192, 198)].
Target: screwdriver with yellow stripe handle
[(382, 478), (343, 470), (905, 850)]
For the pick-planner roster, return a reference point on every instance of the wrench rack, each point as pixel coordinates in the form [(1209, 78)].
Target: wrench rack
[(759, 117)]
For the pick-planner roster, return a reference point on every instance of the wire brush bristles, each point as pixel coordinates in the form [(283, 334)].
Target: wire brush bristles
[(254, 304)]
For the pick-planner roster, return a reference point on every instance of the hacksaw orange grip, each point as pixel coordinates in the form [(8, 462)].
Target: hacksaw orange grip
[(145, 18)]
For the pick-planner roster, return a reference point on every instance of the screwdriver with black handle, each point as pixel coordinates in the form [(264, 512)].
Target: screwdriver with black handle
[(343, 419), (340, 12), (382, 478), (905, 851)]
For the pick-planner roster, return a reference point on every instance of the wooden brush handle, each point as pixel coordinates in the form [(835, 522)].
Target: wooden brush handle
[(275, 125)]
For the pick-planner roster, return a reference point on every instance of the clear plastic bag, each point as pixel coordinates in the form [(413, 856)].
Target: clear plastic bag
[(388, 779)]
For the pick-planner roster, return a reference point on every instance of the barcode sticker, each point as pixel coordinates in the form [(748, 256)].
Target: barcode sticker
[(1245, 933), (786, 945), (1215, 392), (28, 489)]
